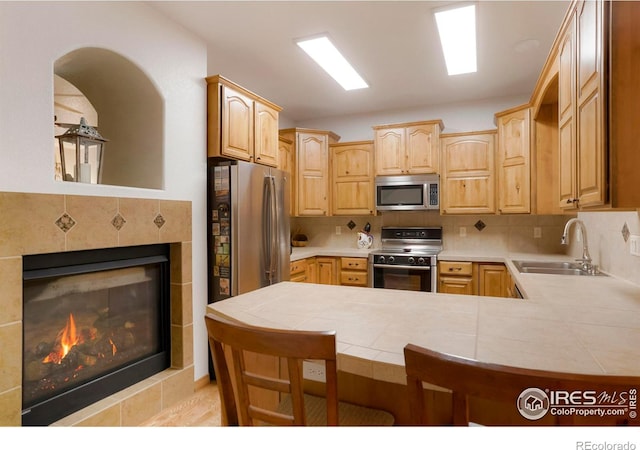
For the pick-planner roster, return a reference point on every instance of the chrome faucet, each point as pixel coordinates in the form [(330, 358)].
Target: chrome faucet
[(586, 258)]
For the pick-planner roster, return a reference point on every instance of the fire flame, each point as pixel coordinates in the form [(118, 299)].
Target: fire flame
[(66, 339)]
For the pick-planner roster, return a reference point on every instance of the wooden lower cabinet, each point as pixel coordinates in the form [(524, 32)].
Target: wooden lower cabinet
[(330, 270), (455, 278), (353, 272), (493, 280), (327, 272), (303, 270), (475, 278)]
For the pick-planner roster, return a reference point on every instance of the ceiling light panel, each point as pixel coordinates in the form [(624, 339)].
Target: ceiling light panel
[(323, 52), (457, 29)]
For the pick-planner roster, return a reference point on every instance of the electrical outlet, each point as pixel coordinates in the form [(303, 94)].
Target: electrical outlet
[(338, 229), (537, 232), (313, 371), (463, 231), (634, 245)]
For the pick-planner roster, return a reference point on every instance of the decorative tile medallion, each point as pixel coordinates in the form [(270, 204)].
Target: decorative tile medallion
[(625, 232), (351, 225), (480, 225), (65, 222), (118, 222), (159, 221)]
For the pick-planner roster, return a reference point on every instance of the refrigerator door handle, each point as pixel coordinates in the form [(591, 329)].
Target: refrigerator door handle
[(269, 231), (274, 238)]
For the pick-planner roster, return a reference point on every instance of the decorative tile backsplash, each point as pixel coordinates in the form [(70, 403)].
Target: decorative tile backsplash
[(514, 233)]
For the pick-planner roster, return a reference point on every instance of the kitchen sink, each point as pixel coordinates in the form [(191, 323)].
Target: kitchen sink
[(552, 268)]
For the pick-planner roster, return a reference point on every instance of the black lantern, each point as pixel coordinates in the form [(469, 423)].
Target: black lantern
[(81, 153)]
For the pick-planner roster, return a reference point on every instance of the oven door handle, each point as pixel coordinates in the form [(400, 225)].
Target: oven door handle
[(391, 266)]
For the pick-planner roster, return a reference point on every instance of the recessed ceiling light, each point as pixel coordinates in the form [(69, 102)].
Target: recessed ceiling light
[(457, 28), (323, 52)]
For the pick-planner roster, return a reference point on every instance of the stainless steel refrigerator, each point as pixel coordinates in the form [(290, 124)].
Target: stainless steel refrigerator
[(249, 235)]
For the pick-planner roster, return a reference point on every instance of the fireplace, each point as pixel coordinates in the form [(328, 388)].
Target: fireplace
[(94, 323)]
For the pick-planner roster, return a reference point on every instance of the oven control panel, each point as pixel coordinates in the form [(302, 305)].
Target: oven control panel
[(404, 260)]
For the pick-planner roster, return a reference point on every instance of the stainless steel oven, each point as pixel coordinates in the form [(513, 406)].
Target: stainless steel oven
[(407, 259)]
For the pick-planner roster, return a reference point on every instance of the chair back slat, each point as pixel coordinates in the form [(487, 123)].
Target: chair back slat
[(291, 346)]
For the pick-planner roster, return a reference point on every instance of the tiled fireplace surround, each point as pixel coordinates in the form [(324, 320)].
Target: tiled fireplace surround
[(44, 223)]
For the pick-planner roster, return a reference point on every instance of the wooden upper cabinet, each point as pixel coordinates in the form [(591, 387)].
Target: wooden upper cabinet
[(582, 127), (310, 170), (237, 124), (352, 178), (407, 148), (468, 173), (390, 151), (266, 135), (286, 160), (514, 160), (240, 124), (590, 107), (566, 116), (313, 175)]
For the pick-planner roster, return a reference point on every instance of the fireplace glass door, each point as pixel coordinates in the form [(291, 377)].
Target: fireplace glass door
[(91, 327)]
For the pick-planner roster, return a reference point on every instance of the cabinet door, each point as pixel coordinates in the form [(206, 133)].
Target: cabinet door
[(327, 270), (514, 167), (237, 125), (468, 174), (390, 151), (312, 270), (352, 179), (493, 280), (566, 119), (422, 149), (266, 135), (311, 174), (591, 163), (286, 163)]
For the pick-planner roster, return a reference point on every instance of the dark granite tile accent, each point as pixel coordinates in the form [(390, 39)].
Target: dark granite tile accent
[(118, 222), (65, 222), (159, 221)]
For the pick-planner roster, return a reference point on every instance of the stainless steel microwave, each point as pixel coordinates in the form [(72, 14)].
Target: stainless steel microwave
[(408, 192)]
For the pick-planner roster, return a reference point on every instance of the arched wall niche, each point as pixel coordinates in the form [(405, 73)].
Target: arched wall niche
[(129, 111)]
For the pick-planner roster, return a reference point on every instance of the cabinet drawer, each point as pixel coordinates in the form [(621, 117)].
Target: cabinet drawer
[(455, 268), (297, 266), (353, 263), (351, 278)]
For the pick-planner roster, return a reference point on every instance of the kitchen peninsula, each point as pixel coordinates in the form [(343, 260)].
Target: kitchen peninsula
[(566, 323)]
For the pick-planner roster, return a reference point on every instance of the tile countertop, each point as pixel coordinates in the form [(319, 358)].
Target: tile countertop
[(566, 323), (308, 252)]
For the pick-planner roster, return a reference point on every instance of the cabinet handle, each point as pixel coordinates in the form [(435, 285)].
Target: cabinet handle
[(451, 269)]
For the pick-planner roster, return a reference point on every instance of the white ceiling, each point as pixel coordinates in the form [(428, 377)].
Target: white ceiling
[(394, 45)]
